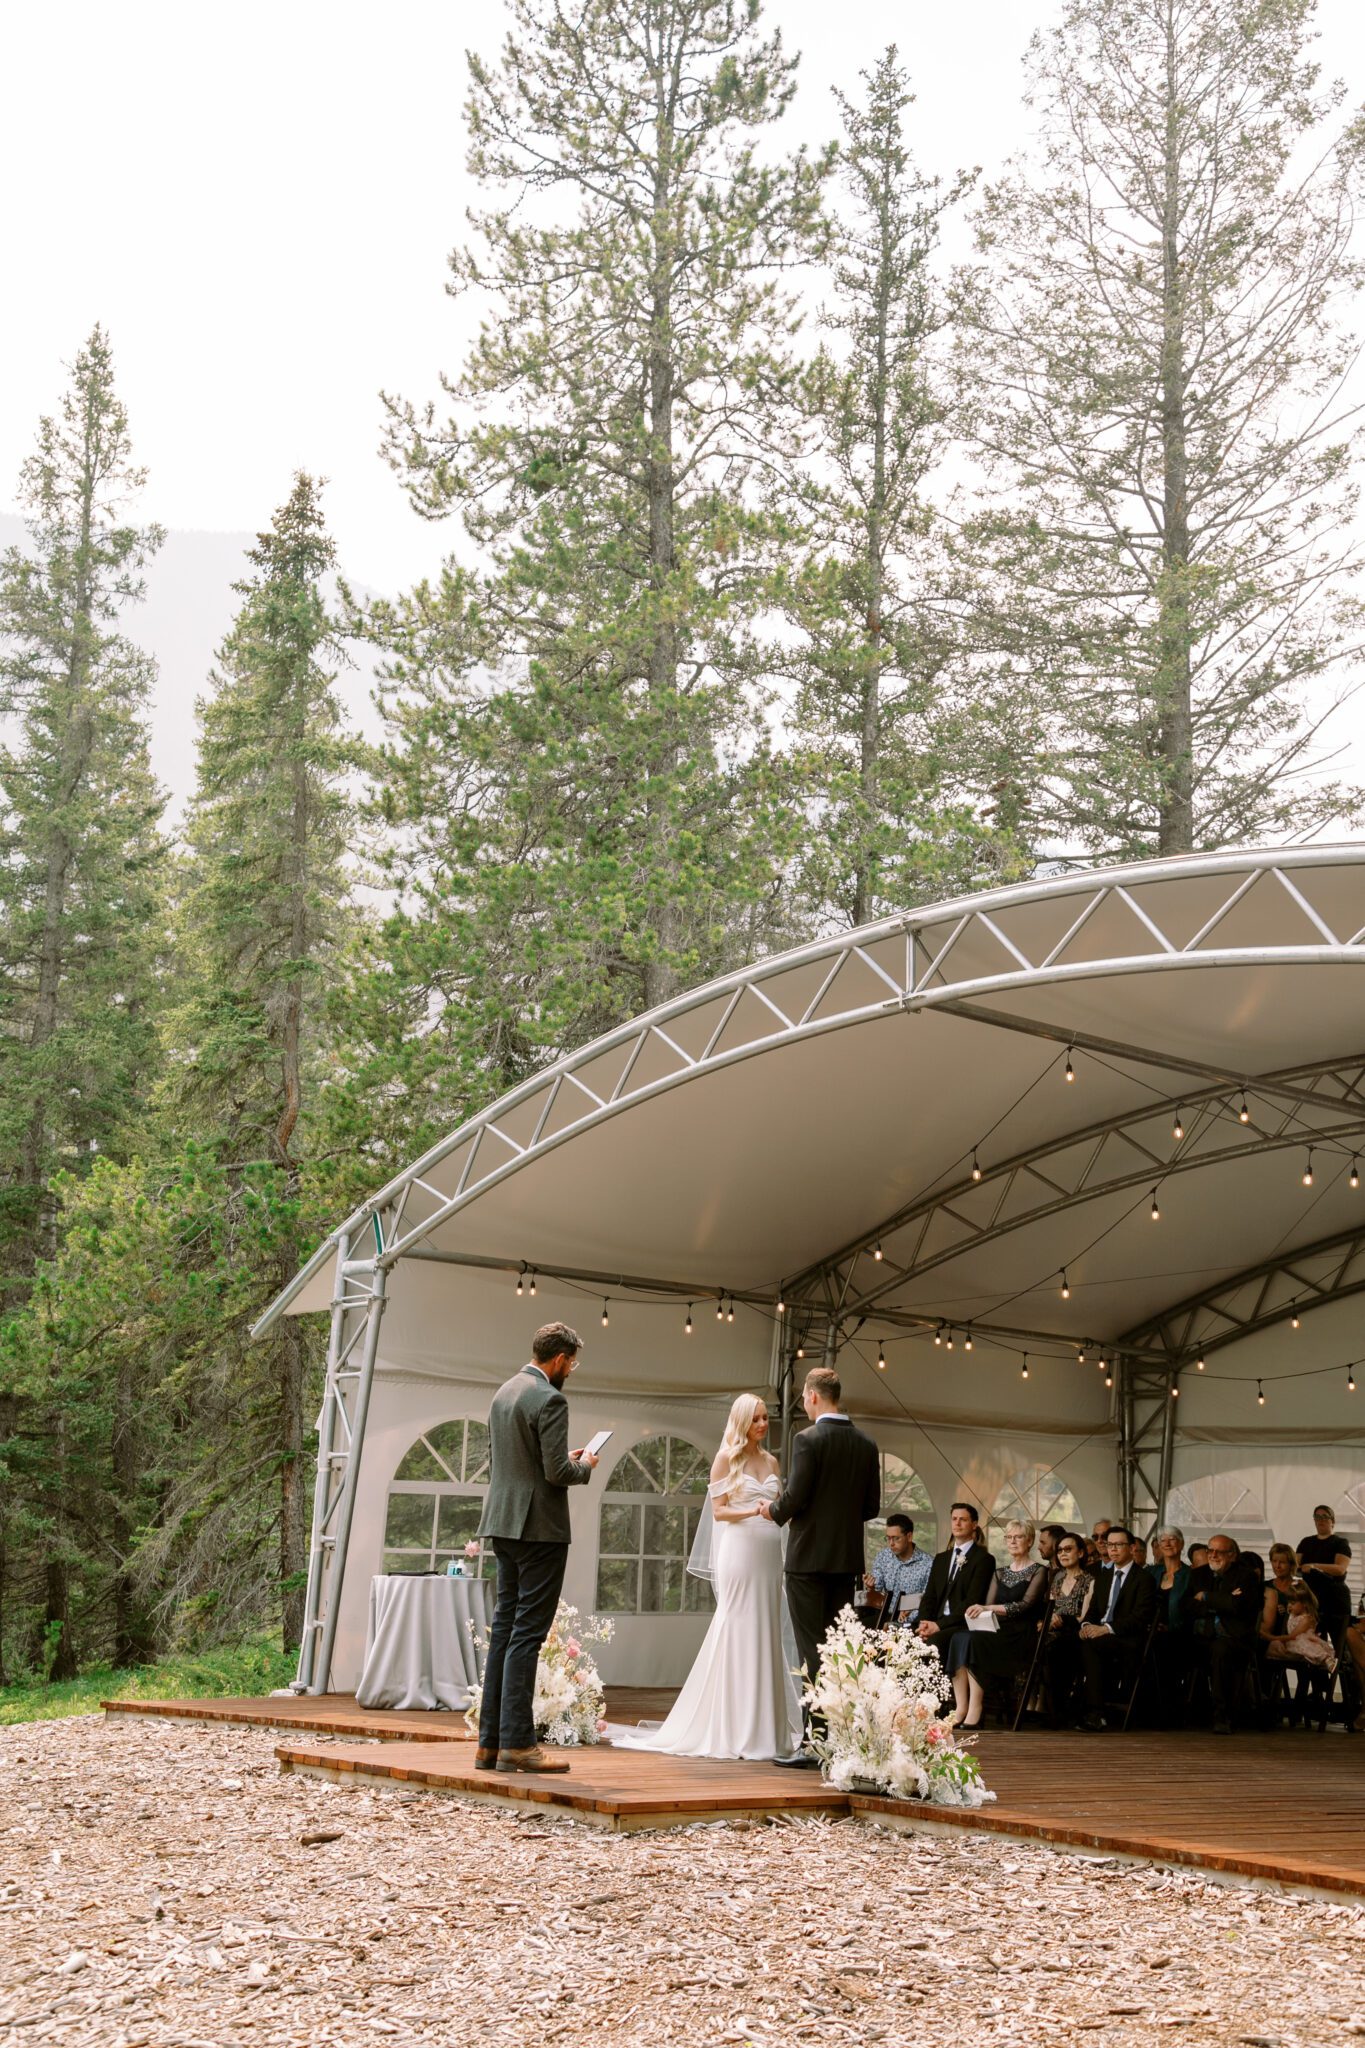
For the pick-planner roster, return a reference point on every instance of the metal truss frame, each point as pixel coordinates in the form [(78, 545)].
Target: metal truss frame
[(1276, 1291), (1146, 1404), (963, 957)]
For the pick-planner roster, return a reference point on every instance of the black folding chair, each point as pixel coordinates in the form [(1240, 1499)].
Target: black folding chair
[(1140, 1669), (1035, 1665)]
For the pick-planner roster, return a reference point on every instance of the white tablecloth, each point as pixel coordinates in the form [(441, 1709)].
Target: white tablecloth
[(419, 1648)]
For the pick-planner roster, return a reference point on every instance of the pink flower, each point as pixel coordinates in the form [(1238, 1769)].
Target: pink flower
[(601, 1727), (573, 1648)]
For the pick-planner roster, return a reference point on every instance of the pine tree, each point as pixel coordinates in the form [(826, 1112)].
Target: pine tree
[(1159, 331), (579, 754), (264, 920), (899, 747), (79, 890)]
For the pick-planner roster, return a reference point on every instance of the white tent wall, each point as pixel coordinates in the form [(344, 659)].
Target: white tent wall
[(1263, 1494), (657, 1649)]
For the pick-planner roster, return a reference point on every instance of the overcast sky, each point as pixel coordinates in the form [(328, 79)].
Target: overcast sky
[(258, 201)]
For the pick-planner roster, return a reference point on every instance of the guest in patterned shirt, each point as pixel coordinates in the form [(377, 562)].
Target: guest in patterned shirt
[(900, 1569)]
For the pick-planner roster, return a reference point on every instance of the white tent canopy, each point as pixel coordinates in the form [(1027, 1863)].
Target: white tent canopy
[(879, 1132)]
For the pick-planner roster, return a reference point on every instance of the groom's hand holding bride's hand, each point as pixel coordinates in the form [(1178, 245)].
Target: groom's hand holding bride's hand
[(764, 1508)]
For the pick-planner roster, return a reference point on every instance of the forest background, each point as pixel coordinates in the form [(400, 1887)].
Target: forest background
[(823, 532)]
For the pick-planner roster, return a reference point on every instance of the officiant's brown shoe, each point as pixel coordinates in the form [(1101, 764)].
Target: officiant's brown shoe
[(485, 1759), (529, 1760)]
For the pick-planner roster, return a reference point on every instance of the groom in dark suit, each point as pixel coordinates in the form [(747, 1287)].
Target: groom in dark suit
[(526, 1517), (833, 1487)]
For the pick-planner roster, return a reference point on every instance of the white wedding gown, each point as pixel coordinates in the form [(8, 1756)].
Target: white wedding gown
[(740, 1699)]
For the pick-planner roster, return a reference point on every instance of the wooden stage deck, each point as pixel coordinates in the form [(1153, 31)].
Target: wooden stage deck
[(1285, 1809)]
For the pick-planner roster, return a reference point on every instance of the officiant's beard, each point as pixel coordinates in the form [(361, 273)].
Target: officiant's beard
[(557, 1372)]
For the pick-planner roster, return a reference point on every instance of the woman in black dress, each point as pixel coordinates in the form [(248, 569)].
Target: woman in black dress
[(1015, 1598)]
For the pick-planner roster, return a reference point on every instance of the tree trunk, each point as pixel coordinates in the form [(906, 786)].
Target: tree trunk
[(132, 1625), (864, 890), (1174, 730), (661, 973)]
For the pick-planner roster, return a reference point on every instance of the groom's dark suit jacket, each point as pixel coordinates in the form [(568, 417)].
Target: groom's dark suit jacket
[(833, 1487)]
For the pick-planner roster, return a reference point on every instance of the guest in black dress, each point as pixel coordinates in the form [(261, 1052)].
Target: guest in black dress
[(1015, 1598), (1071, 1591)]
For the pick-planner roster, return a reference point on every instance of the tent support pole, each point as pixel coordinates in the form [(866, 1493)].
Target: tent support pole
[(346, 1509), (1146, 1442), (322, 1481)]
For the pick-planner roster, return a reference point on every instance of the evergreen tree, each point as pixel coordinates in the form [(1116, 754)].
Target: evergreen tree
[(1159, 331), (899, 744), (579, 773), (79, 892)]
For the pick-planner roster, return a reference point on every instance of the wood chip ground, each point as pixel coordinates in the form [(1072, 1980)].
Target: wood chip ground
[(164, 1886)]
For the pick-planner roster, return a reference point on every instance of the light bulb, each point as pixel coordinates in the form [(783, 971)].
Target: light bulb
[(1109, 1379), (730, 1312), (1156, 1212), (801, 1350), (521, 1281), (532, 1289), (938, 1334), (1175, 1391), (1244, 1114), (720, 1309), (1308, 1169), (1023, 1370), (950, 1336), (976, 1165), (1066, 1286), (781, 1304), (1260, 1394), (687, 1326), (1199, 1363), (1294, 1320), (1070, 1070), (881, 1358), (1354, 1178), (1080, 1355), (877, 1249), (605, 1317), (1350, 1379), (1177, 1128), (967, 1340)]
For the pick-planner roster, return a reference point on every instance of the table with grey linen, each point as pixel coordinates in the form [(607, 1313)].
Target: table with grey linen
[(420, 1651)]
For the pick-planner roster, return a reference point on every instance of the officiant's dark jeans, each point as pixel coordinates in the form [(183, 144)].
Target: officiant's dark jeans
[(529, 1578)]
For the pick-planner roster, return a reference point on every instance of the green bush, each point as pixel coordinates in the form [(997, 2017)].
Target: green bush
[(250, 1669)]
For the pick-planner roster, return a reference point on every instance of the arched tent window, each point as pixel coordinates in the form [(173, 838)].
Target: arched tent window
[(436, 1499), (1034, 1495), (1231, 1501), (650, 1510), (903, 1492)]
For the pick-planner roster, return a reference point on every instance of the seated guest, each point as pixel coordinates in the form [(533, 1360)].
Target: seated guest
[(1171, 1576), (1226, 1604), (1015, 1597), (1140, 1551), (1284, 1575), (1114, 1634), (1049, 1536), (1100, 1532), (1301, 1642), (1071, 1591), (1254, 1562), (1199, 1557), (1353, 1644), (899, 1569), (959, 1577)]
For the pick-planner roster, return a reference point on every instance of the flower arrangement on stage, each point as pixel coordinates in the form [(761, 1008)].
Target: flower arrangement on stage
[(879, 1693), (569, 1703)]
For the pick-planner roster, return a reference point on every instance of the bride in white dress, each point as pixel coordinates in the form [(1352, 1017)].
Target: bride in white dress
[(740, 1699)]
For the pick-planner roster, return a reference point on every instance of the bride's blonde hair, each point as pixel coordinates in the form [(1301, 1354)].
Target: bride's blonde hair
[(734, 1444)]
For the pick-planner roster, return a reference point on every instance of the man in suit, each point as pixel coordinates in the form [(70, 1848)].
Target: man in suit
[(1226, 1598), (833, 1487), (526, 1515), (959, 1578), (1113, 1638)]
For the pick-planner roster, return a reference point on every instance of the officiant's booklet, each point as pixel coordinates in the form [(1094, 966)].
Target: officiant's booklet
[(598, 1444)]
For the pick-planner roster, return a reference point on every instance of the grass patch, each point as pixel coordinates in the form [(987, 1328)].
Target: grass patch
[(248, 1668)]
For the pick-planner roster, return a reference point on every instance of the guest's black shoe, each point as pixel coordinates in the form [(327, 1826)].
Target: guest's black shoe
[(1091, 1724), (1222, 1727), (800, 1760)]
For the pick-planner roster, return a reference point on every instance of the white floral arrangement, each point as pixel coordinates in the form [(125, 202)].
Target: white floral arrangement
[(880, 1693), (569, 1706)]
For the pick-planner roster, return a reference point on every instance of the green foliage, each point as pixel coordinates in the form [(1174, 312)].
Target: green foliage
[(247, 1670)]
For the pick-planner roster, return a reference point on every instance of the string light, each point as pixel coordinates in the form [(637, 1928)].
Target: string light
[(1108, 1378), (1308, 1169), (532, 1289), (976, 1165), (720, 1309), (1070, 1070), (950, 1336), (1066, 1286), (1350, 1379), (1260, 1394), (1199, 1363), (730, 1312), (1294, 1319), (1156, 1212), (781, 1304), (1080, 1354), (521, 1279), (877, 1250), (1177, 1128), (1175, 1391), (1023, 1370), (801, 1348), (881, 1357), (687, 1326), (967, 1340), (605, 1317), (1243, 1113), (1354, 1177), (938, 1334)]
